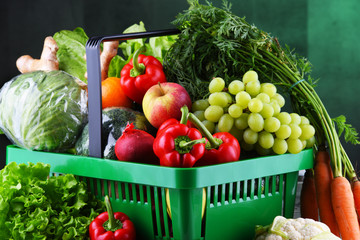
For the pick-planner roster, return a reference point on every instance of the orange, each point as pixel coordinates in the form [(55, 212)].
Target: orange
[(113, 95)]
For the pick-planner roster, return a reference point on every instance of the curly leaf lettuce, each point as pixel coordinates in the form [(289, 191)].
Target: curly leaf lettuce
[(33, 206)]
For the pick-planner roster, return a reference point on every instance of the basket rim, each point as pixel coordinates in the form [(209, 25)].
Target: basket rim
[(169, 177)]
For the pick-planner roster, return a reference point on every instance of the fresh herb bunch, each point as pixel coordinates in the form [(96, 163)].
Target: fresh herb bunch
[(216, 43)]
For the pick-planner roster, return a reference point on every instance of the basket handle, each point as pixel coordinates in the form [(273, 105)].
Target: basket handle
[(94, 82)]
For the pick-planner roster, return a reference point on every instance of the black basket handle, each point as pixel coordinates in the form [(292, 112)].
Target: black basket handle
[(94, 82)]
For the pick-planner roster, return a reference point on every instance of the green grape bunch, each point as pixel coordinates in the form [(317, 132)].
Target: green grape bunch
[(251, 111)]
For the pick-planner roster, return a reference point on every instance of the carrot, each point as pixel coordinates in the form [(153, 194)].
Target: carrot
[(344, 208), (356, 192), (308, 204), (323, 177)]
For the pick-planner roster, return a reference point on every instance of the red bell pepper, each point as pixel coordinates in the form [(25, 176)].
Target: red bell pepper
[(178, 145), (172, 121), (227, 151), (112, 226), (140, 74), (221, 147)]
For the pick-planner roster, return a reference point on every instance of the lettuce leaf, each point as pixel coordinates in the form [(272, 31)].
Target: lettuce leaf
[(160, 45), (128, 47), (33, 206), (71, 53), (155, 46)]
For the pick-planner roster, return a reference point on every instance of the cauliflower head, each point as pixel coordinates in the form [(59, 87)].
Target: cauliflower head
[(294, 229)]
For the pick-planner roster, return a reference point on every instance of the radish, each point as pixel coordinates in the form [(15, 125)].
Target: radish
[(135, 145)]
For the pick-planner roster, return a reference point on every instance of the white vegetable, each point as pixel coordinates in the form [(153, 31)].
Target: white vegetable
[(294, 229)]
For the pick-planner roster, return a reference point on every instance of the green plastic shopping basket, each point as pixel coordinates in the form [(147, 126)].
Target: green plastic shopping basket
[(222, 201)]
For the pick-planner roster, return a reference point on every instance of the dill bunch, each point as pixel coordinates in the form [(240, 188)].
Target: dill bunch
[(214, 42)]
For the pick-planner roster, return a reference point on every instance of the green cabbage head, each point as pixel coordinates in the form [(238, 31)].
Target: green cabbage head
[(43, 110)]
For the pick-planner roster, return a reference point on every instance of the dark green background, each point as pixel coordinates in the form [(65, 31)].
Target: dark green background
[(326, 32)]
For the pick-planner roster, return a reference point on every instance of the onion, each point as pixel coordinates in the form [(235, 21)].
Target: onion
[(135, 145)]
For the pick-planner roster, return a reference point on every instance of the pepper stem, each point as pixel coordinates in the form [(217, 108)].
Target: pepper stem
[(112, 224), (214, 142), (183, 144), (138, 68), (184, 114)]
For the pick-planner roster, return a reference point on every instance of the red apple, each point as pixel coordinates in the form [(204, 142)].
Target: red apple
[(164, 101)]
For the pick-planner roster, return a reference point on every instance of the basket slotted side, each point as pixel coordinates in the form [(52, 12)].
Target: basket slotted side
[(238, 195)]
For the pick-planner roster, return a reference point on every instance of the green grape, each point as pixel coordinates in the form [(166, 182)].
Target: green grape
[(226, 122), (209, 125), (280, 99), (250, 137), (307, 131), (280, 146), (294, 145), (238, 134), (229, 98), (271, 124), (241, 122), (283, 132), (236, 86), (218, 98), (268, 88), (253, 88), (242, 98), (310, 142), (295, 131), (262, 151), (267, 111), (255, 105), (256, 122), (200, 115), (266, 139), (263, 97), (216, 85), (250, 76), (213, 113), (276, 106), (235, 110), (295, 118), (303, 143), (304, 120), (284, 118), (200, 105)]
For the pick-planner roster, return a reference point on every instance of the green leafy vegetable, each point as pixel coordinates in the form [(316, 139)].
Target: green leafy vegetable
[(116, 64), (128, 47), (216, 43), (71, 53), (43, 110), (33, 206), (155, 46)]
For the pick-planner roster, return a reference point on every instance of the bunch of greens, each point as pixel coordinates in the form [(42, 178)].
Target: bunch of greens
[(71, 53), (155, 46), (216, 43), (34, 206)]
